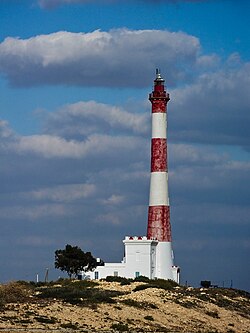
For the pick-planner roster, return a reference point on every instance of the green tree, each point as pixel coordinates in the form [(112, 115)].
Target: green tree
[(72, 260)]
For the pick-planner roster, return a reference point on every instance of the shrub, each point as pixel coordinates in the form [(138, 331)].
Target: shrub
[(25, 321), (213, 314), (45, 320), (140, 305), (157, 283), (149, 318), (142, 278), (13, 292), (120, 279), (81, 284), (164, 284), (143, 287), (111, 278), (78, 293), (69, 325), (23, 283), (120, 327), (186, 303), (131, 302), (124, 282)]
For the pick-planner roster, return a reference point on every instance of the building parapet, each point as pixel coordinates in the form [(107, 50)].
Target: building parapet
[(139, 239)]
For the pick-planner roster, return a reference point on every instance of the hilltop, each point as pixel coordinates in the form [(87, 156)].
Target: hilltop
[(134, 306)]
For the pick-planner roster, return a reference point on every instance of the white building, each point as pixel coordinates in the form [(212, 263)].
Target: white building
[(143, 257)]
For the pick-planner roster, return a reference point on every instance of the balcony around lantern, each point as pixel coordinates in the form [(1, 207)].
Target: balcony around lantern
[(159, 95)]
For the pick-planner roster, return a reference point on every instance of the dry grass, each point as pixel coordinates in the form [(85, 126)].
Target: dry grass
[(124, 305), (14, 292)]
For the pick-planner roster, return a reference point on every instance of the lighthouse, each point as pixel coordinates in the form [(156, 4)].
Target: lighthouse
[(151, 255), (159, 227)]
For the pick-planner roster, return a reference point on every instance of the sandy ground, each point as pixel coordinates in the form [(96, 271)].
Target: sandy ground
[(149, 310)]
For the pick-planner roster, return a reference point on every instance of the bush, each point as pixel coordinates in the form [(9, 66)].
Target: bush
[(45, 320), (69, 325), (79, 293), (111, 278), (149, 318), (120, 327), (157, 283), (164, 284), (125, 282), (131, 302), (14, 292), (143, 287), (140, 305), (213, 314), (142, 278)]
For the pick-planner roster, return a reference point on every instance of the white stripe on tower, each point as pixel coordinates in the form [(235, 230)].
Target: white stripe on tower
[(159, 212)]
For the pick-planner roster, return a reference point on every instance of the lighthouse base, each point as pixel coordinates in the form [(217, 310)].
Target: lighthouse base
[(143, 257)]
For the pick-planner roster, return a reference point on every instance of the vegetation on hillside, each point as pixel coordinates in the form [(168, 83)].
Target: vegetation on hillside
[(119, 294), (87, 293)]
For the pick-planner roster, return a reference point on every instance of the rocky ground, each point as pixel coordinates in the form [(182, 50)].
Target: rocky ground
[(84, 306)]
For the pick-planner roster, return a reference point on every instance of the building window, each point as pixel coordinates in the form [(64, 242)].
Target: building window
[(137, 274), (96, 275), (115, 273), (137, 256)]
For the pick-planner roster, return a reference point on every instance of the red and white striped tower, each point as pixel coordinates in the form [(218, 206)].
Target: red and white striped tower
[(159, 227)]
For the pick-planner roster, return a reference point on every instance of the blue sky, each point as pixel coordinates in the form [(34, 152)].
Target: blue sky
[(75, 131)]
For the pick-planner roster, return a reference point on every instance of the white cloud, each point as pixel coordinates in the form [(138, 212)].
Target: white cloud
[(242, 166), (62, 193), (37, 212), (114, 199), (97, 58), (188, 154), (200, 175), (35, 241), (108, 218), (214, 109), (206, 62), (50, 146), (202, 214), (5, 131), (84, 118)]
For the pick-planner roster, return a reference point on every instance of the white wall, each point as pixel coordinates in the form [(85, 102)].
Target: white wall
[(164, 261), (143, 256), (139, 256), (109, 269)]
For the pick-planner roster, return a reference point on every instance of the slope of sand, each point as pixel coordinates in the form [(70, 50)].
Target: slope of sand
[(148, 310)]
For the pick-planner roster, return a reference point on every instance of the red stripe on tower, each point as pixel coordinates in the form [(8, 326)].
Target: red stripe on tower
[(159, 212), (158, 155), (159, 223)]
